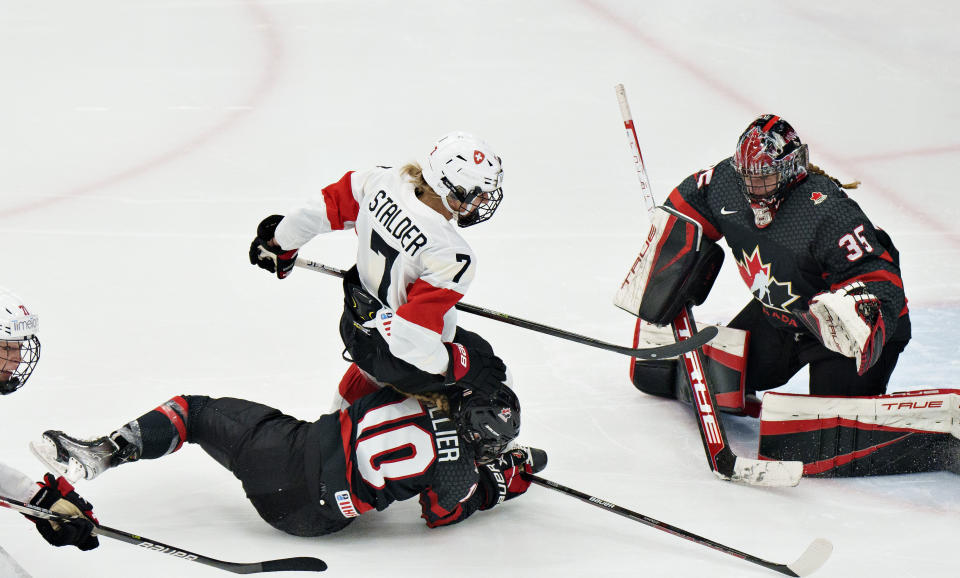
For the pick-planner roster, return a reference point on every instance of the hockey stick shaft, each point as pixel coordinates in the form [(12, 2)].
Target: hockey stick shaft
[(300, 564), (814, 557), (666, 351)]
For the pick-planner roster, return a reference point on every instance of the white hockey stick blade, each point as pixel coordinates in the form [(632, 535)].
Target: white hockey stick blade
[(766, 472), (814, 557)]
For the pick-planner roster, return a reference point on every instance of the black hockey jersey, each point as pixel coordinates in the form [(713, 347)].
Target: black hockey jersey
[(388, 447), (819, 240)]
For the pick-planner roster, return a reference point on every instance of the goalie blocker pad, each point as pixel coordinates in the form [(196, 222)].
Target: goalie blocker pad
[(724, 361), (907, 432), (676, 266)]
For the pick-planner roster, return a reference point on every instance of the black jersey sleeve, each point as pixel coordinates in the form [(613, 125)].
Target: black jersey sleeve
[(850, 249), (452, 497), (690, 198)]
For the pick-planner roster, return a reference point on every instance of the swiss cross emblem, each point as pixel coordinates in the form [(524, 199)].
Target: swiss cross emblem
[(817, 197), (478, 157)]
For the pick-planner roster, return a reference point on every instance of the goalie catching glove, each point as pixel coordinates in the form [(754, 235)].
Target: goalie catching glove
[(266, 254), (848, 321), (58, 496)]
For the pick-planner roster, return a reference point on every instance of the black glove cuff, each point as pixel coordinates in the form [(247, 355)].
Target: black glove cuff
[(268, 228)]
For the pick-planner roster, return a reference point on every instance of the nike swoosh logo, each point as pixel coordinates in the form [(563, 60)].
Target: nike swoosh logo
[(724, 211)]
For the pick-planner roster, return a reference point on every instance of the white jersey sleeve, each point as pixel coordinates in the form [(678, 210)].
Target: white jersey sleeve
[(332, 208), (16, 485)]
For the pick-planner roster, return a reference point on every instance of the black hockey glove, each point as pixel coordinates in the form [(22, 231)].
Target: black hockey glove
[(470, 368), (503, 478), (269, 256), (58, 496)]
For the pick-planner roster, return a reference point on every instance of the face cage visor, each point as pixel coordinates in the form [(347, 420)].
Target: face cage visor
[(17, 361), (486, 450), (477, 205), (757, 180)]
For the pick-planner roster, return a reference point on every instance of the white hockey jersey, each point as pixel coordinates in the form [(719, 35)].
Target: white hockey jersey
[(409, 256)]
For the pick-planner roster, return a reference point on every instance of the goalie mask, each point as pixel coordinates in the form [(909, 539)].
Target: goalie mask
[(466, 174), (19, 345), (486, 423), (770, 159)]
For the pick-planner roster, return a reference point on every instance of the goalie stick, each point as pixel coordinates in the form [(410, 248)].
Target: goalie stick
[(723, 462), (298, 564), (810, 561), (664, 351)]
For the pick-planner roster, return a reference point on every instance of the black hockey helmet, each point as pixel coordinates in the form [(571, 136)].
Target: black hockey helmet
[(770, 159), (486, 422)]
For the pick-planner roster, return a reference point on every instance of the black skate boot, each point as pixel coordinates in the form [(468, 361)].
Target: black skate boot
[(77, 459)]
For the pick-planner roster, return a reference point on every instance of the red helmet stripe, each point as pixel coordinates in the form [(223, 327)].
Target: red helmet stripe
[(773, 120)]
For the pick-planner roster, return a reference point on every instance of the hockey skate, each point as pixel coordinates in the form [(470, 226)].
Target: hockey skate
[(76, 459)]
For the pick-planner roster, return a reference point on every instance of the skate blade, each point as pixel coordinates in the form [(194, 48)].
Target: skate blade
[(45, 451)]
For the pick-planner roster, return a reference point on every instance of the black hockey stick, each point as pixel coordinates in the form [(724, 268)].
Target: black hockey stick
[(664, 351), (299, 564), (808, 562)]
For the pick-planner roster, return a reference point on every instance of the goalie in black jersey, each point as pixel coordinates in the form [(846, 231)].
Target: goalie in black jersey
[(314, 478), (826, 284)]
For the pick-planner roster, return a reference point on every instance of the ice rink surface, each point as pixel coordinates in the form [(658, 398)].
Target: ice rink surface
[(142, 142)]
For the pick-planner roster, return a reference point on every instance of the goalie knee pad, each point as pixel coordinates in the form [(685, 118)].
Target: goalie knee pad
[(725, 363), (676, 266), (907, 432)]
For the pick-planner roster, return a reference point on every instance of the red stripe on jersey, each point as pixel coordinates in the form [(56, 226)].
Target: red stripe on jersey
[(886, 256), (871, 276), (355, 384), (434, 513), (426, 305), (346, 431), (341, 206), (684, 207)]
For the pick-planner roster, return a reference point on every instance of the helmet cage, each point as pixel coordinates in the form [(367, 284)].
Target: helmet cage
[(476, 206), (768, 147), (26, 352)]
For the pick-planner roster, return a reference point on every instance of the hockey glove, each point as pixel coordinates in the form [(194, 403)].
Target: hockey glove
[(470, 368), (266, 254), (503, 479), (848, 321), (58, 496)]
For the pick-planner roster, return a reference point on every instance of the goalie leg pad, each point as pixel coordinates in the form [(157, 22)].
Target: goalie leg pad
[(908, 432), (725, 362)]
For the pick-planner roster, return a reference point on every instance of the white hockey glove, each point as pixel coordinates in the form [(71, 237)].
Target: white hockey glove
[(848, 321)]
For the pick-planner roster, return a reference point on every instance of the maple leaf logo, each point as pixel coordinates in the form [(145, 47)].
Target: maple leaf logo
[(764, 286)]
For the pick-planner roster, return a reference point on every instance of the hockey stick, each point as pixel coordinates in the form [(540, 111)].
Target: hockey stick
[(299, 564), (808, 562), (724, 463), (664, 351)]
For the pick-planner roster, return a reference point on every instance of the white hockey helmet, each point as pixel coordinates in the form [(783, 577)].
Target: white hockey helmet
[(463, 168), (19, 345)]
